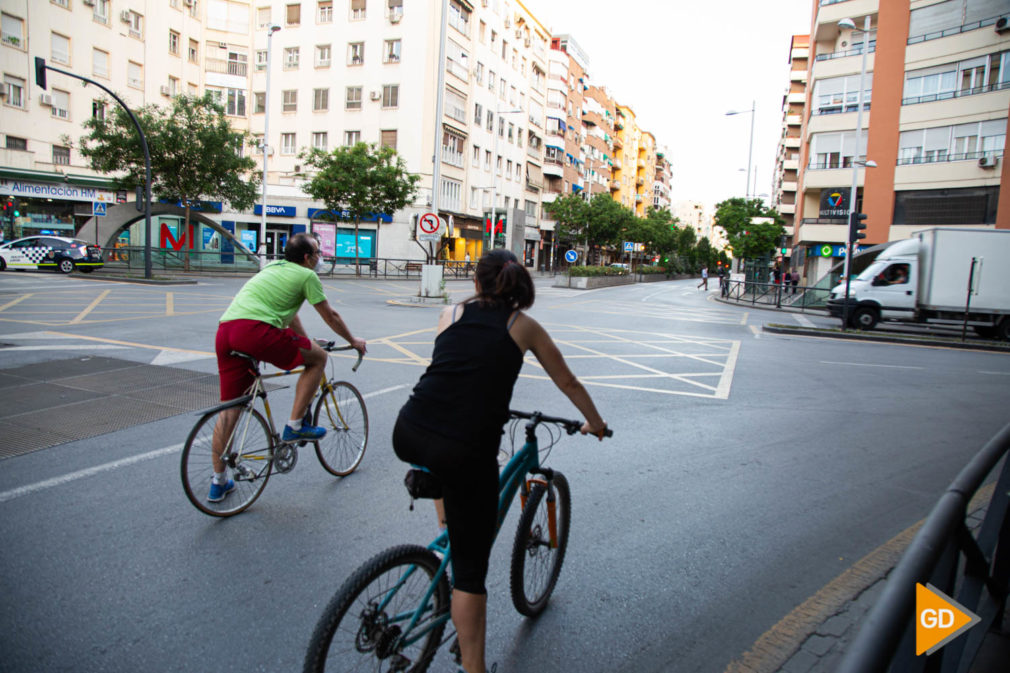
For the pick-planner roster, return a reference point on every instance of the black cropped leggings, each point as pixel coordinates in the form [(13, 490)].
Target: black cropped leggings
[(469, 476)]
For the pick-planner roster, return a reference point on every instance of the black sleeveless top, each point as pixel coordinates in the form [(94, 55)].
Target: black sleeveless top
[(465, 392)]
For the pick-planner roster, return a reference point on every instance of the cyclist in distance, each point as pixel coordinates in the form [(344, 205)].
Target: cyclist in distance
[(262, 321), (453, 422)]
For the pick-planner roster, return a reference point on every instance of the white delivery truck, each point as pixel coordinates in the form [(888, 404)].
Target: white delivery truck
[(924, 279)]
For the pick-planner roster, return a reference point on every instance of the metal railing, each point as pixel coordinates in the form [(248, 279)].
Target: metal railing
[(936, 159), (960, 93), (778, 295), (953, 31), (953, 558)]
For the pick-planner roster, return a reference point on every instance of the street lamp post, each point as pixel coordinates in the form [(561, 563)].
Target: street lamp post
[(750, 150), (856, 163), (494, 173), (271, 29)]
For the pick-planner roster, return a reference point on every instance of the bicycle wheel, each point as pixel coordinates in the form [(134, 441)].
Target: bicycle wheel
[(341, 411), (362, 625), (538, 552), (249, 457)]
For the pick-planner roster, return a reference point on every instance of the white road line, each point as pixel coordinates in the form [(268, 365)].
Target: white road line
[(756, 330), (80, 474), (869, 364), (803, 320), (123, 462), (63, 347), (995, 373)]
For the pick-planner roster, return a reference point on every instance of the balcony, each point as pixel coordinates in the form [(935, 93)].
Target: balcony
[(792, 142), (226, 67), (452, 157), (794, 120)]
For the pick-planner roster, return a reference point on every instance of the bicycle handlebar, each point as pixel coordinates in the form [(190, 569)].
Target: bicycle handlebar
[(570, 426), (331, 347)]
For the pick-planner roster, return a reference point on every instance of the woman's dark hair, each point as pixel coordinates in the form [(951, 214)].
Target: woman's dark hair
[(298, 246), (503, 280)]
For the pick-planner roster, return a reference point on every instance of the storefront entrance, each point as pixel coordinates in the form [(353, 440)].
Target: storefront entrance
[(276, 240)]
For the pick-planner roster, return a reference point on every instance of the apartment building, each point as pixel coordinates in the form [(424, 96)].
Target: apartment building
[(663, 179), (936, 100), (787, 162)]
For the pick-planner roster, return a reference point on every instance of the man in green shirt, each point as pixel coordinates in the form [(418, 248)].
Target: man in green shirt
[(262, 321)]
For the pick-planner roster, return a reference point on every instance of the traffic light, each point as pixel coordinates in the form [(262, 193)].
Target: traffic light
[(856, 226), (40, 71)]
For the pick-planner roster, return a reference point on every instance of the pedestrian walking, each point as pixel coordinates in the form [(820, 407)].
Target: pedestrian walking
[(796, 279), (704, 278)]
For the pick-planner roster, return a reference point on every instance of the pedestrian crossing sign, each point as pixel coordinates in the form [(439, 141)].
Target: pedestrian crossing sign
[(98, 209)]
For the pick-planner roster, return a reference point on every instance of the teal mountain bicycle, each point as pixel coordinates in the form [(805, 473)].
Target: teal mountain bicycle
[(390, 615)]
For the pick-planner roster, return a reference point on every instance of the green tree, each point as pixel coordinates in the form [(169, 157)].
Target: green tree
[(608, 221), (571, 213), (747, 238), (364, 180), (195, 153), (658, 231)]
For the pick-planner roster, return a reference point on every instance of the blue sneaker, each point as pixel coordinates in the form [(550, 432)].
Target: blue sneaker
[(219, 491), (306, 433)]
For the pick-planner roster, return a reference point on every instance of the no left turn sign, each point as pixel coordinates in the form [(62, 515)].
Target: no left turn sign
[(429, 223)]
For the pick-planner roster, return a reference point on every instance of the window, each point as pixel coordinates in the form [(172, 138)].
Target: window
[(173, 43), (457, 61), (836, 150), (100, 12), (482, 33), (478, 113), (391, 51), (12, 31), (395, 9), (61, 104), (136, 23), (490, 80), (236, 103), (320, 141), (320, 100), (475, 160), (173, 86), (290, 97), (459, 17), (474, 198), (387, 138), (357, 10), (478, 73), (487, 160), (293, 16), (288, 143), (390, 95), (352, 98), (291, 57), (15, 91), (325, 14), (60, 48), (262, 17), (352, 138), (508, 169), (261, 59), (98, 109), (61, 155), (194, 8), (135, 75), (323, 55), (841, 94), (259, 102), (455, 105), (490, 121), (355, 53), (19, 144), (452, 149), (450, 194), (193, 54)]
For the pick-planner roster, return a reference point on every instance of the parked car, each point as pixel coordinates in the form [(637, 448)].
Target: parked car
[(51, 252)]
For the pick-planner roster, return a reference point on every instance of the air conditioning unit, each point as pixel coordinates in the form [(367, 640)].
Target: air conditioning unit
[(124, 16), (88, 3), (988, 161), (222, 45), (188, 3), (165, 90), (46, 99), (1002, 24), (375, 95), (395, 17)]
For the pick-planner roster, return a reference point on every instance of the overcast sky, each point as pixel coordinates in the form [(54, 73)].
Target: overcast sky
[(681, 66)]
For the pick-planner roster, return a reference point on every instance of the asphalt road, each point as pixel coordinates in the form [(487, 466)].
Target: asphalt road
[(747, 471)]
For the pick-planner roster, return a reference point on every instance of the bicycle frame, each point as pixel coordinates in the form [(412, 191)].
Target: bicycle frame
[(511, 478)]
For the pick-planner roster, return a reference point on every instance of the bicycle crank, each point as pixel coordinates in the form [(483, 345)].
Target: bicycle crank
[(285, 457)]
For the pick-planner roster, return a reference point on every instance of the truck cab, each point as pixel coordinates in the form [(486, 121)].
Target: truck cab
[(885, 290)]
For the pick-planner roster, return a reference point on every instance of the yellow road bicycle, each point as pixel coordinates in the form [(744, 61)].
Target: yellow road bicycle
[(255, 449)]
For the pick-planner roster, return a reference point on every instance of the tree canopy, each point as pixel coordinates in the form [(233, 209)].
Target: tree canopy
[(747, 237), (362, 180)]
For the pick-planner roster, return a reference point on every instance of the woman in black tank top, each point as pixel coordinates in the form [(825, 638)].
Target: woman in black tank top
[(453, 422)]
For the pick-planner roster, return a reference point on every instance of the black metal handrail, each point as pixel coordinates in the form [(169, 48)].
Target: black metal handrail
[(886, 641), (800, 297)]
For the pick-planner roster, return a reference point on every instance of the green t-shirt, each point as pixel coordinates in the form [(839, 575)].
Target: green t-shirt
[(275, 294)]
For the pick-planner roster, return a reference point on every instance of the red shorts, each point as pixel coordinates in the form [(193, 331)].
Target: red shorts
[(279, 347)]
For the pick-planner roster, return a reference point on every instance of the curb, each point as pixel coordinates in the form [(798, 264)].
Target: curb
[(138, 281), (938, 342)]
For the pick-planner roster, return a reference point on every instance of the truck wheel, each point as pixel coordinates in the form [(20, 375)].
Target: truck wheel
[(864, 317), (1003, 329)]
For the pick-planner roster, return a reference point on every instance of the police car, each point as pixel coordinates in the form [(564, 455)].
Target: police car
[(50, 252)]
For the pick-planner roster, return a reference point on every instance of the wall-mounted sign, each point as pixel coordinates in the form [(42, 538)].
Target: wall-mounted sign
[(276, 211), (835, 202)]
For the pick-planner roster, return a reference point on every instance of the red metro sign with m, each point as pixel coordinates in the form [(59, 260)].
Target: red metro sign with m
[(167, 238)]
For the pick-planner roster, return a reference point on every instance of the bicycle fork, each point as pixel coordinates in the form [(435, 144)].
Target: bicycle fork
[(552, 517)]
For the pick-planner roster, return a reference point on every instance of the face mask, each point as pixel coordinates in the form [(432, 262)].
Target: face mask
[(320, 265)]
